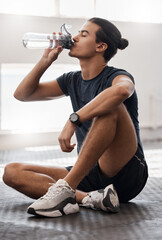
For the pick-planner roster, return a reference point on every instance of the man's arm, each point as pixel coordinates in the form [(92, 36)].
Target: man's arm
[(30, 89), (121, 89), (108, 100)]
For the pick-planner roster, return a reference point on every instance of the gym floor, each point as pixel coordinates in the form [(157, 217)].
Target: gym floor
[(139, 219)]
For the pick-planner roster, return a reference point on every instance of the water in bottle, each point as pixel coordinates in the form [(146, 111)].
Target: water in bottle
[(50, 41)]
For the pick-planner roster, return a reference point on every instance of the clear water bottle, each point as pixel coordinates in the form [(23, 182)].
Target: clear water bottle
[(50, 41)]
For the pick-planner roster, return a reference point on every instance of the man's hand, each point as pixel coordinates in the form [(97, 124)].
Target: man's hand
[(52, 54), (65, 137)]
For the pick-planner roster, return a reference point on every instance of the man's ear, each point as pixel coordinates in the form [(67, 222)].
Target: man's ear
[(101, 47)]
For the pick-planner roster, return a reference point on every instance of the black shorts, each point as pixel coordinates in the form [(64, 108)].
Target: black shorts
[(128, 183)]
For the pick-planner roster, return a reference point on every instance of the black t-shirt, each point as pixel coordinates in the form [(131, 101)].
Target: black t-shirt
[(83, 91)]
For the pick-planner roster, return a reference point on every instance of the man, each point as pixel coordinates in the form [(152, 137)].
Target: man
[(110, 167)]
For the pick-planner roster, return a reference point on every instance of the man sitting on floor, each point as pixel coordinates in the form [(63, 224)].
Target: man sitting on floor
[(110, 167)]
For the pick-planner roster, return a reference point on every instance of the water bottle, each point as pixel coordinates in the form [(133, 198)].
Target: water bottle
[(50, 41)]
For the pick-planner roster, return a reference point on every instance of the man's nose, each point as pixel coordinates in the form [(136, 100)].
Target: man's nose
[(76, 38)]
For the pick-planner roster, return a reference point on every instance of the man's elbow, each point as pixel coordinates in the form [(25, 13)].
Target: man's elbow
[(18, 96), (127, 91)]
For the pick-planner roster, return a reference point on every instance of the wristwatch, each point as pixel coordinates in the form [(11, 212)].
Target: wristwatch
[(74, 118)]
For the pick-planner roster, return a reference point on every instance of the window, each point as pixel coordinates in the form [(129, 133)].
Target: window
[(114, 10), (73, 8), (130, 10), (32, 116), (29, 7)]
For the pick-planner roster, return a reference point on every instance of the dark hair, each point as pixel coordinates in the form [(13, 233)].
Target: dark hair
[(109, 34)]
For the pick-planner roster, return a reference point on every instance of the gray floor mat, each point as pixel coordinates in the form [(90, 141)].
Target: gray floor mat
[(139, 219)]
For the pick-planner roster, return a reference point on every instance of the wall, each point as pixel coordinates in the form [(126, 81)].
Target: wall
[(13, 28), (142, 58)]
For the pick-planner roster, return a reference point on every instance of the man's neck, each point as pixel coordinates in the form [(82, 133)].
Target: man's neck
[(91, 68)]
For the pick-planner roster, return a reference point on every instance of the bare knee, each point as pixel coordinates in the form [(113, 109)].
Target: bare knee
[(110, 117), (113, 116), (11, 174)]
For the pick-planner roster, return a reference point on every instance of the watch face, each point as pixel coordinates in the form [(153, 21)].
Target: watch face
[(74, 117)]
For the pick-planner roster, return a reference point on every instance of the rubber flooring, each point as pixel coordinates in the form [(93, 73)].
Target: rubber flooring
[(140, 219)]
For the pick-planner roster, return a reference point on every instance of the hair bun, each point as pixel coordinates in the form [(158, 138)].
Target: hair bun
[(123, 43)]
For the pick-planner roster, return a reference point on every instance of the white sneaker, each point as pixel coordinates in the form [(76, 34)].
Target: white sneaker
[(103, 199), (59, 200)]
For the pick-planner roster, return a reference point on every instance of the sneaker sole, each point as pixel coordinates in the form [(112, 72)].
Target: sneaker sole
[(111, 201), (55, 212), (50, 214)]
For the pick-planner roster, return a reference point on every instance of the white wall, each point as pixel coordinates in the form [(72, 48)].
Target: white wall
[(142, 58), (13, 28)]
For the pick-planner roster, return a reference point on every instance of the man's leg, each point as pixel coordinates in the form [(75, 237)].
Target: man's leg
[(33, 180), (111, 141)]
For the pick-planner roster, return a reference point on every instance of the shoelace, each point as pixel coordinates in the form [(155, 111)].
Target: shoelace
[(96, 200), (92, 203), (53, 191)]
